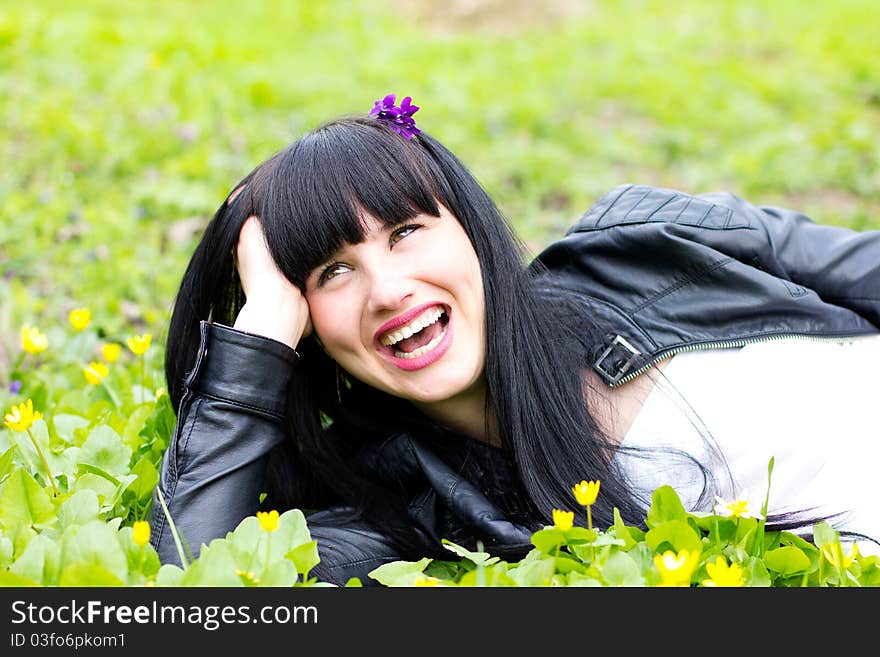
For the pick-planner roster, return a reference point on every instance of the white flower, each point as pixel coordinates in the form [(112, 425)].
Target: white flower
[(738, 508)]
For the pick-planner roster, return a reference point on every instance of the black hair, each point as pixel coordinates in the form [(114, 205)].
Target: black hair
[(311, 198)]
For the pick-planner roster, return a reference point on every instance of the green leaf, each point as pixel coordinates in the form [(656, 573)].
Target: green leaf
[(547, 540), (566, 563), (399, 573), (147, 478), (629, 535), (102, 487), (66, 425), (533, 572), (79, 509), (216, 566), (8, 578), (450, 570), (88, 574), (93, 469), (95, 548), (249, 539), (790, 538), (142, 560), (304, 557), (608, 539), (665, 506), (756, 573), (495, 576), (169, 575), (588, 579), (159, 426), (787, 560), (135, 424), (251, 556), (7, 463), (675, 535), (38, 561), (479, 558), (621, 570), (104, 449), (26, 446), (24, 504), (6, 550), (824, 534)]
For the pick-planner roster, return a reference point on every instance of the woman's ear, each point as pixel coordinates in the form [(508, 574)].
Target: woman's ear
[(235, 192)]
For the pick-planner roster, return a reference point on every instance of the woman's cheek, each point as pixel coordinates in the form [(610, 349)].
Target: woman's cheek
[(335, 323)]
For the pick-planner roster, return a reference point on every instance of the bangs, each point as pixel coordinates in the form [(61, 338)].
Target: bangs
[(317, 194)]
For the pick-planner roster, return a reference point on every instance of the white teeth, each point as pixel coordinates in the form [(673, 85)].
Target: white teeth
[(427, 318), (421, 350)]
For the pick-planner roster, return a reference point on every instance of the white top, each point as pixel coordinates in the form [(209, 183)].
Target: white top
[(813, 405)]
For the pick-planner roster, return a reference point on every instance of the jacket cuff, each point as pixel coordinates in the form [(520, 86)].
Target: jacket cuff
[(243, 368)]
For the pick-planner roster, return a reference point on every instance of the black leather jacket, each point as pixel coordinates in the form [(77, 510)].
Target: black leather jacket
[(668, 271)]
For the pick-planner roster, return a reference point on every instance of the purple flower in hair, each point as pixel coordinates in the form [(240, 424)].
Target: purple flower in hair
[(397, 118)]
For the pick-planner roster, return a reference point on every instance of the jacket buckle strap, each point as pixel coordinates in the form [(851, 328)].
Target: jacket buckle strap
[(612, 364)]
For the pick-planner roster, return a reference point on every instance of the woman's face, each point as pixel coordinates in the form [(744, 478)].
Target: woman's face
[(404, 311)]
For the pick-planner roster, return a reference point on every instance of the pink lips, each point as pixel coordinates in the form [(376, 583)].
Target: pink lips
[(410, 364), (404, 319)]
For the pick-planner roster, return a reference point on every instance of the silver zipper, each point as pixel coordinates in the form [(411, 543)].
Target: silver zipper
[(728, 344)]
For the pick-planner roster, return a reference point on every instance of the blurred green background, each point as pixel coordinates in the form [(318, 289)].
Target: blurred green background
[(125, 124)]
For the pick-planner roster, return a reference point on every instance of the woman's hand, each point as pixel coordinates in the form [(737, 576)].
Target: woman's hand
[(274, 307)]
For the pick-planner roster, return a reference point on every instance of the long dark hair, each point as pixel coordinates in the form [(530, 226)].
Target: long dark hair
[(311, 198)]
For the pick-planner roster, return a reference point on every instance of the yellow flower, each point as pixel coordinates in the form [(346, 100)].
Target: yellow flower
[(586, 492), (834, 555), (563, 519), (139, 343), (247, 577), (80, 318), (141, 532), (95, 372), (268, 520), (32, 341), (21, 417), (110, 351), (676, 569), (738, 508), (720, 574)]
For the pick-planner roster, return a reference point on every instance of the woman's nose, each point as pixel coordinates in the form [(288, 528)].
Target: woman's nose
[(390, 289)]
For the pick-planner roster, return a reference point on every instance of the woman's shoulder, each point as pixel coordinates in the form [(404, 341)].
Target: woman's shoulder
[(636, 204)]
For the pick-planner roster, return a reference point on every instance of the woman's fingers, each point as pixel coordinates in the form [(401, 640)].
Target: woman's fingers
[(274, 307), (255, 264)]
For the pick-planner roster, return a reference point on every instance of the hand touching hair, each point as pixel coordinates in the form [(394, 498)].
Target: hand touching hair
[(275, 308)]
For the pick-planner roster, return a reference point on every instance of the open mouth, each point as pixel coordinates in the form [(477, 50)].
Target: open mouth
[(417, 337)]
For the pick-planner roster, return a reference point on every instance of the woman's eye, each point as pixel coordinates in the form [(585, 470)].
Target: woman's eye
[(402, 232), (330, 271)]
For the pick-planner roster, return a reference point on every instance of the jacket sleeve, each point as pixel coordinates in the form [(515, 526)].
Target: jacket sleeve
[(229, 420), (840, 264)]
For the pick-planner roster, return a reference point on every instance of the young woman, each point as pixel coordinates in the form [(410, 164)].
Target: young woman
[(358, 335)]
